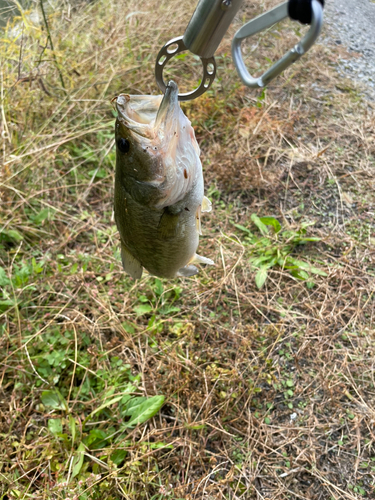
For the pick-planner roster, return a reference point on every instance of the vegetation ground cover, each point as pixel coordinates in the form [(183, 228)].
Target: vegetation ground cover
[(267, 386)]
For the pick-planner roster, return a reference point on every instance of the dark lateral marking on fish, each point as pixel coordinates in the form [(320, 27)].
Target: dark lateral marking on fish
[(185, 173), (168, 225)]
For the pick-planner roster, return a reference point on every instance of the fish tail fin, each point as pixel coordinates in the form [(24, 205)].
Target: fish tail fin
[(187, 271), (190, 269), (130, 264)]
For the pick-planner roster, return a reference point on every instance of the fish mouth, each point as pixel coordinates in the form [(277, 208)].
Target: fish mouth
[(150, 117), (137, 113)]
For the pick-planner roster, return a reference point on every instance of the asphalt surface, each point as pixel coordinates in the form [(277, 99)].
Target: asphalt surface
[(352, 24)]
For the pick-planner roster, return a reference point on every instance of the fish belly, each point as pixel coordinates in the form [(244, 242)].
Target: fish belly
[(162, 251)]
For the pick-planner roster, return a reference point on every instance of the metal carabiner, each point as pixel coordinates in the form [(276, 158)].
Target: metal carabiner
[(263, 22)]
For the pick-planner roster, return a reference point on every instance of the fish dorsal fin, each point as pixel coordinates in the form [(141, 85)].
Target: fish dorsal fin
[(169, 226), (206, 204), (130, 264)]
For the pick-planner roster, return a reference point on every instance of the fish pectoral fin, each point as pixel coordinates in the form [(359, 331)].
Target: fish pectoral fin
[(198, 220), (169, 225), (199, 259), (187, 271), (206, 205), (130, 264)]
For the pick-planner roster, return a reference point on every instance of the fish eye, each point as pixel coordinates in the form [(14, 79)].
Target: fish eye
[(123, 145)]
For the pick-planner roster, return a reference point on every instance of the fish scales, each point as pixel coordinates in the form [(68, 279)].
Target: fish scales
[(159, 191)]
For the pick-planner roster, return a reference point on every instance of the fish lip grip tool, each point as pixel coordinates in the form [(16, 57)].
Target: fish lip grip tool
[(206, 29), (172, 48)]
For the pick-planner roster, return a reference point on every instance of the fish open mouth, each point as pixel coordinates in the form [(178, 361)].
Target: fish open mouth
[(149, 116)]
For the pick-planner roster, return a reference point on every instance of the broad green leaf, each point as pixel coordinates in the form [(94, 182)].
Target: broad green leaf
[(128, 327), (300, 274), (78, 460), (125, 399), (158, 287), (97, 438), (142, 309), (132, 405), (259, 224), (74, 268), (4, 280), (315, 270), (55, 425), (271, 221), (6, 304), (102, 407), (146, 410), (259, 260), (307, 224), (169, 310), (45, 213), (272, 262), (305, 265), (37, 266), (99, 173), (143, 298), (243, 228), (118, 456), (54, 399), (128, 389), (291, 267), (261, 277), (10, 235)]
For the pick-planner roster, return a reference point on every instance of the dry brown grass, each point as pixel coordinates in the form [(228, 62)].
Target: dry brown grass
[(269, 393)]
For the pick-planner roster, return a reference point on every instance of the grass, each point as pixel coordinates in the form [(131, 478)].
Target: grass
[(202, 388)]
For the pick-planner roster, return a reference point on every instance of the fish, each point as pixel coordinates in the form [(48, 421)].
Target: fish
[(159, 189)]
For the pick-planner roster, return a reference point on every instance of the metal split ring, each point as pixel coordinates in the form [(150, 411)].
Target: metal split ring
[(167, 52)]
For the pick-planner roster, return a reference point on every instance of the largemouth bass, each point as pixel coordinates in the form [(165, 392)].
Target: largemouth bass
[(158, 186)]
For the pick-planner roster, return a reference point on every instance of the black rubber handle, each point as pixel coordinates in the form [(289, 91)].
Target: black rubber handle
[(300, 10)]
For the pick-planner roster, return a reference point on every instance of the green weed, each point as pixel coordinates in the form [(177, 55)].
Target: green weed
[(274, 248)]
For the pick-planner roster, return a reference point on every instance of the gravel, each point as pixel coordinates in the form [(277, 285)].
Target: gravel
[(352, 24)]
